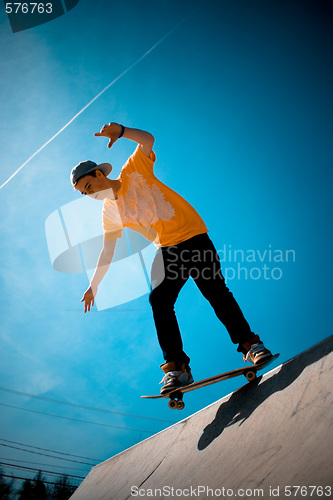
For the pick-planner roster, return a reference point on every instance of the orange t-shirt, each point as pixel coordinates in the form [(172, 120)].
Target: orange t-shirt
[(149, 207)]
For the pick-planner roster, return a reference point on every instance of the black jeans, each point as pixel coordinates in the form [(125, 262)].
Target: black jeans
[(196, 258)]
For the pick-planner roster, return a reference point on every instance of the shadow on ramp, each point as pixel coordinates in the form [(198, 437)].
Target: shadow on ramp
[(247, 399)]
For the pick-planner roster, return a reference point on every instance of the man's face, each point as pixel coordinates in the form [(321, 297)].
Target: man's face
[(94, 187)]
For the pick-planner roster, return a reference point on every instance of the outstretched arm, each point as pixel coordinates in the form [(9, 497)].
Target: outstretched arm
[(113, 131), (102, 267)]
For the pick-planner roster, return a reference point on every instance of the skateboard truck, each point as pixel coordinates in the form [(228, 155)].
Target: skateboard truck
[(176, 401), (251, 374)]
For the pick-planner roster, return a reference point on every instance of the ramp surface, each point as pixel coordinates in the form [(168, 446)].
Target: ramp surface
[(266, 440)]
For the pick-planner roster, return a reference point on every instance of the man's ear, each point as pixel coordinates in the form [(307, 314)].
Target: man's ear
[(99, 173)]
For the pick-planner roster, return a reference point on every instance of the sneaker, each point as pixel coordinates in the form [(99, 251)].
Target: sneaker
[(257, 354), (175, 377)]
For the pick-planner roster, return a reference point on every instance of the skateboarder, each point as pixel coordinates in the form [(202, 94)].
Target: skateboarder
[(137, 199)]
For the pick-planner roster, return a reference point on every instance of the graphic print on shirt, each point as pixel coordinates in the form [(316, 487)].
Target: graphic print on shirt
[(111, 217), (141, 204)]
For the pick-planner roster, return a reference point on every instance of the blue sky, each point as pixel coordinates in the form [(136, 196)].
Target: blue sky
[(238, 97)]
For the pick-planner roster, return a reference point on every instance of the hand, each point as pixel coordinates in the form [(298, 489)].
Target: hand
[(112, 131), (88, 299)]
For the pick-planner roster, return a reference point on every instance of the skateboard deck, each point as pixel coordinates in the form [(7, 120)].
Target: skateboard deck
[(176, 395)]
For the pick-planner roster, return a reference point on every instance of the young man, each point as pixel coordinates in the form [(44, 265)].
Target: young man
[(137, 199)]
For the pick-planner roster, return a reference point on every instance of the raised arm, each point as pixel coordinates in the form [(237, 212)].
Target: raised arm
[(113, 131), (102, 267)]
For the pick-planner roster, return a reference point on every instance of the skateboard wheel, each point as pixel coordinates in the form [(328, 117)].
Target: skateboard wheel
[(180, 405), (250, 375), (172, 404)]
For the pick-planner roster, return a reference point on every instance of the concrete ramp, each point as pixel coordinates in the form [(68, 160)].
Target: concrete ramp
[(273, 438)]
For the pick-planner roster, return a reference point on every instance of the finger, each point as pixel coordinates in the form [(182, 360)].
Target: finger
[(93, 302), (98, 134)]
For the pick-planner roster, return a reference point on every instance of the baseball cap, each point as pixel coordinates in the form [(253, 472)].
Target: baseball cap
[(86, 167)]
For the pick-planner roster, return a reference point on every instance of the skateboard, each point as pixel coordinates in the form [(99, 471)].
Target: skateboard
[(176, 395)]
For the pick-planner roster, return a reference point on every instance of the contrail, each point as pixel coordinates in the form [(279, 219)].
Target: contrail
[(98, 95)]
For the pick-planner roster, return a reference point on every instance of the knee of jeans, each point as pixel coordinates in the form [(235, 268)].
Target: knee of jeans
[(156, 297), (159, 299), (153, 297)]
